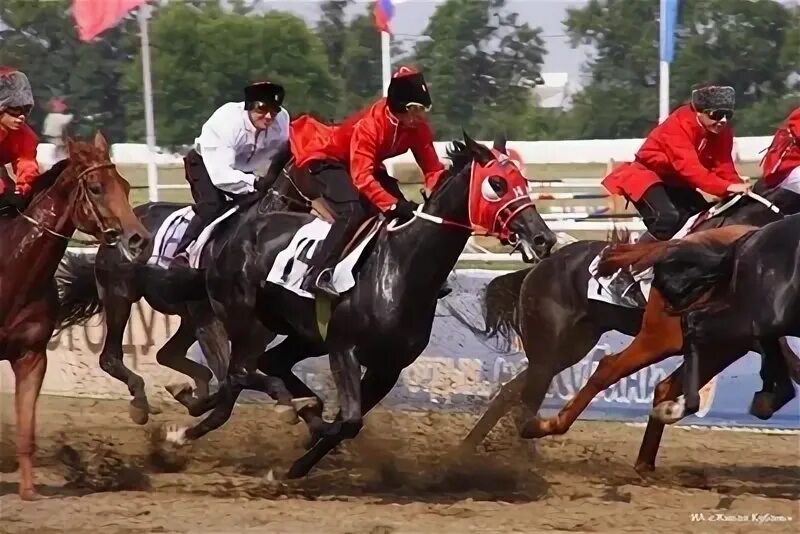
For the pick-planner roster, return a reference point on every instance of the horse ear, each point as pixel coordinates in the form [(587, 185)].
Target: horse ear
[(100, 142), (481, 154), (500, 143)]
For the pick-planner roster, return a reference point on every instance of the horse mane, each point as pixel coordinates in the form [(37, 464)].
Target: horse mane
[(46, 180), (459, 155), (638, 257)]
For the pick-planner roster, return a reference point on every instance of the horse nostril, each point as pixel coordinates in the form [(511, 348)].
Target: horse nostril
[(539, 240), (111, 236)]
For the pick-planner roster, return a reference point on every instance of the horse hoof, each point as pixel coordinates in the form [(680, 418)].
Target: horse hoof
[(30, 494), (176, 435), (138, 412), (286, 414), (535, 428), (669, 412), (644, 467), (763, 405), (179, 389), (296, 472)]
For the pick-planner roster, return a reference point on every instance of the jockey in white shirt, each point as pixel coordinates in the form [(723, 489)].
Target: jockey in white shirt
[(241, 144)]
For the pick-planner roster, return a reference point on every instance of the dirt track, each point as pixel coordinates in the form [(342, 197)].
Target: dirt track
[(400, 475)]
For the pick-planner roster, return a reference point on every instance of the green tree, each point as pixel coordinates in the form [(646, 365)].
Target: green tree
[(474, 58), (361, 63), (203, 58), (744, 43), (332, 30), (40, 39)]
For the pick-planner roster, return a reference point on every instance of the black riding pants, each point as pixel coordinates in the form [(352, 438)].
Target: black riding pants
[(349, 207), (665, 209), (210, 202)]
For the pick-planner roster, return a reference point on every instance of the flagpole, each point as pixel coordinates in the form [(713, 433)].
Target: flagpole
[(663, 77), (149, 122), (386, 60)]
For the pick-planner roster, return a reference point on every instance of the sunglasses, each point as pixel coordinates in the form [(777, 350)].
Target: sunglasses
[(19, 111), (413, 106), (717, 115), (264, 108)]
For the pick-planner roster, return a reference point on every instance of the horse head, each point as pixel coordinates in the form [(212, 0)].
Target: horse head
[(98, 197), (487, 192)]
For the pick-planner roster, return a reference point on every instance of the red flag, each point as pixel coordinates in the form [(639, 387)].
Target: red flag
[(93, 17)]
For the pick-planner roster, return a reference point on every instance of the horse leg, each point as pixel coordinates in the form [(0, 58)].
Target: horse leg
[(653, 343), (278, 361), (244, 350), (500, 404), (556, 352), (777, 389), (173, 355), (375, 385), (29, 372), (691, 364), (118, 311), (666, 394)]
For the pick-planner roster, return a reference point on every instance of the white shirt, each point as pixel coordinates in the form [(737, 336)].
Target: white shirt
[(234, 152)]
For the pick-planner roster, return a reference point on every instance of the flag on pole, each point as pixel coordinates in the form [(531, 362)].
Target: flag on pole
[(93, 17), (669, 19), (383, 12)]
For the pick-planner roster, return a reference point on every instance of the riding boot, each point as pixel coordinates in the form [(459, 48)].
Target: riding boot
[(193, 231), (319, 278)]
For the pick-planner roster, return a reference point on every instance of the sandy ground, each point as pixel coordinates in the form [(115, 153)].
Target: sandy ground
[(102, 473)]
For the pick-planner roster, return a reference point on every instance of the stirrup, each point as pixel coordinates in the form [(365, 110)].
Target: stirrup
[(326, 286)]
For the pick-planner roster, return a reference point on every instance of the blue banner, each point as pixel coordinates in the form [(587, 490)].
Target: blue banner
[(667, 24)]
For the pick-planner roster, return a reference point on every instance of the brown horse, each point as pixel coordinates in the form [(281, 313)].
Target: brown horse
[(660, 337), (83, 192)]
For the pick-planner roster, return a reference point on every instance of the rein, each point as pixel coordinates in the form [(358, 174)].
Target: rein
[(92, 210)]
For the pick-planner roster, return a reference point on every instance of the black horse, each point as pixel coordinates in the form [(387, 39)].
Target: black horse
[(110, 283), (383, 323), (548, 307), (739, 293)]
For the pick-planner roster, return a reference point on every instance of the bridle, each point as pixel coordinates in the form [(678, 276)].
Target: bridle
[(93, 213)]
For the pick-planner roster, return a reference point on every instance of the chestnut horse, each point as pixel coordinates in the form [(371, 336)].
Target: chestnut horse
[(83, 192)]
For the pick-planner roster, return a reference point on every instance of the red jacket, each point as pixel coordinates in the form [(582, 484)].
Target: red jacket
[(783, 154), (18, 147), (679, 151), (362, 143)]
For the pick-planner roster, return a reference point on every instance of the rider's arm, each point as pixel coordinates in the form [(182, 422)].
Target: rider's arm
[(683, 157), (363, 153), (25, 166), (426, 157), (217, 142)]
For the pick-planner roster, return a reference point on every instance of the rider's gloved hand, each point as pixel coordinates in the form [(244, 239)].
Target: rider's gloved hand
[(403, 210), (738, 189)]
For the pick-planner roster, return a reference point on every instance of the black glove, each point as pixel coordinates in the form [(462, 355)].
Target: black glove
[(263, 183), (403, 210), (12, 199)]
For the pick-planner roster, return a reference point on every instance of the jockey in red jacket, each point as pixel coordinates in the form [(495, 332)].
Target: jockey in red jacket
[(346, 161), (18, 143), (781, 163), (690, 150)]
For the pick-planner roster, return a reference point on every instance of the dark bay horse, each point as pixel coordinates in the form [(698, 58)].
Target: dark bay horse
[(109, 282), (83, 192), (559, 324), (385, 321)]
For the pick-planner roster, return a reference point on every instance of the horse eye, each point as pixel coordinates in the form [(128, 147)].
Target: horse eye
[(95, 188), (494, 188)]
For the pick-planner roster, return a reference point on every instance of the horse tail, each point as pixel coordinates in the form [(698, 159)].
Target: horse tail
[(499, 302), (693, 271), (77, 291), (636, 256)]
